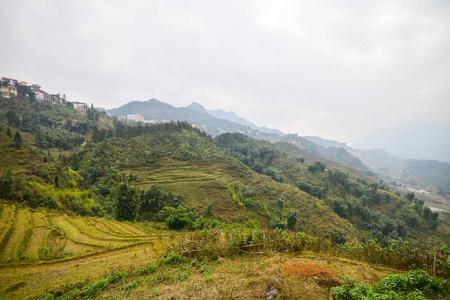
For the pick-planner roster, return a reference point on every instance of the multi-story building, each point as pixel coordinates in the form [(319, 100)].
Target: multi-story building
[(8, 86)]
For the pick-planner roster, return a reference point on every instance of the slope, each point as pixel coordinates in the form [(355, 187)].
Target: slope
[(183, 162)]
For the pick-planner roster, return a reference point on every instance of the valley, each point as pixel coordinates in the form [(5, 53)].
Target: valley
[(92, 206)]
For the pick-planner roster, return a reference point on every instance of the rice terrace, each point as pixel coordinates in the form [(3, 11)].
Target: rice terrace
[(42, 241)]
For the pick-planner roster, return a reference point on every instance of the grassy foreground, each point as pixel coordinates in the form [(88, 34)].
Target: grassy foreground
[(244, 277)]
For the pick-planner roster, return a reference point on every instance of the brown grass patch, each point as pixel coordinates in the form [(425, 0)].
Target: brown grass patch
[(309, 271)]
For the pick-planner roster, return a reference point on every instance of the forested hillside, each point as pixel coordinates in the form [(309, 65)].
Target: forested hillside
[(177, 174), (76, 184)]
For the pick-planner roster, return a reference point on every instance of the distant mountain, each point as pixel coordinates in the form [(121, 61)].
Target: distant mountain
[(231, 116), (325, 143), (431, 171), (204, 119), (217, 121), (338, 154), (430, 140), (381, 161), (422, 172), (156, 110)]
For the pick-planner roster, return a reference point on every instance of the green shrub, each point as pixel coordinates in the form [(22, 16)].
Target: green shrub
[(149, 269), (415, 285)]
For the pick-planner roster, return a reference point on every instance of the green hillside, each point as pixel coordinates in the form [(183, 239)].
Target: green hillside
[(172, 171), (80, 188)]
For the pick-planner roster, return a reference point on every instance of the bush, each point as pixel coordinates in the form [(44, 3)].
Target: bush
[(413, 285), (317, 166)]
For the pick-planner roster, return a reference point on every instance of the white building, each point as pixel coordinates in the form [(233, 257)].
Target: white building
[(135, 118), (80, 105)]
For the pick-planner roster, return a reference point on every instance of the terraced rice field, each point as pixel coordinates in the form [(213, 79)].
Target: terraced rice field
[(179, 172), (28, 235)]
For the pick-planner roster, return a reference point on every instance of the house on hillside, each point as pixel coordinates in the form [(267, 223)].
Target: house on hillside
[(135, 118), (9, 81), (49, 98), (80, 105), (8, 86), (8, 90)]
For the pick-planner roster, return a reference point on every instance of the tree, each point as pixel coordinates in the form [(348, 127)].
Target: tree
[(291, 220), (338, 236), (127, 201), (410, 196), (434, 225), (17, 139), (40, 140), (426, 213), (317, 166), (6, 186), (8, 132), (177, 218), (280, 204), (13, 118), (31, 95), (152, 199), (36, 87), (434, 216)]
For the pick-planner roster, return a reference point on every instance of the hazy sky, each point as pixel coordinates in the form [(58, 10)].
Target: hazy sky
[(337, 69)]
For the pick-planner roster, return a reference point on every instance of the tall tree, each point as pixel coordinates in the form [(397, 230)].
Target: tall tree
[(6, 186), (8, 132), (291, 220), (17, 139), (127, 201), (410, 196)]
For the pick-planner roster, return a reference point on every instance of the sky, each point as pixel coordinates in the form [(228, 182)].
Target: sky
[(334, 69)]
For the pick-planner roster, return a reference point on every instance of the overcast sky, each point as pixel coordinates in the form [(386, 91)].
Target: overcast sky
[(336, 69)]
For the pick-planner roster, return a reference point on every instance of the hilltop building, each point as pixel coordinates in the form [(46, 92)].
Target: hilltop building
[(50, 98), (8, 87), (80, 105), (135, 118)]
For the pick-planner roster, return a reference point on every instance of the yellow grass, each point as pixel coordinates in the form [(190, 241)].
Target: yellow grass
[(36, 241), (40, 219), (19, 225), (244, 277), (59, 236)]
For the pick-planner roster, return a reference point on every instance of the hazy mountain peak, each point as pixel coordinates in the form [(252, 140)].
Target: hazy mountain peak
[(325, 143), (197, 107)]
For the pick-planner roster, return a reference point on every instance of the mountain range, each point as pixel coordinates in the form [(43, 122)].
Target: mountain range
[(370, 152), (231, 116), (212, 122), (423, 140), (215, 122)]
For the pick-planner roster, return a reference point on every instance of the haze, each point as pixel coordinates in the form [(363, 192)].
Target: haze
[(336, 70)]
